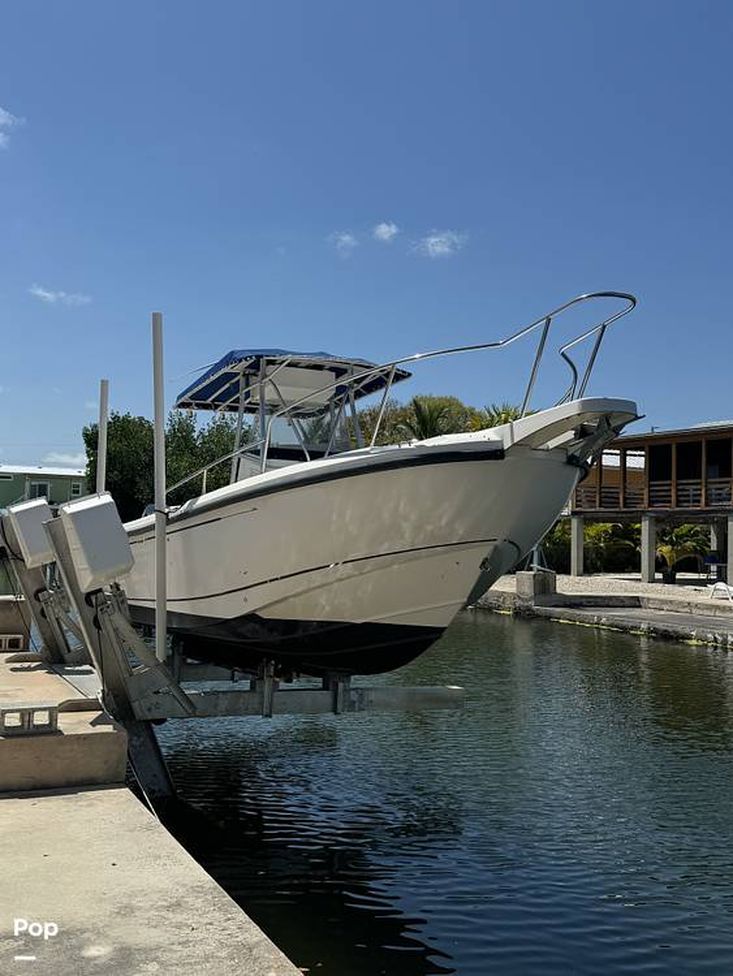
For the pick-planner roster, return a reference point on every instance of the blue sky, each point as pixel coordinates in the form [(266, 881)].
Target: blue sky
[(228, 163)]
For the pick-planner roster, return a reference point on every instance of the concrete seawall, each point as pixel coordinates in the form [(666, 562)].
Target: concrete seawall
[(674, 616), (92, 882)]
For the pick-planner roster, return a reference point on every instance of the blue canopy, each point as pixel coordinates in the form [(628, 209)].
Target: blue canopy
[(294, 375)]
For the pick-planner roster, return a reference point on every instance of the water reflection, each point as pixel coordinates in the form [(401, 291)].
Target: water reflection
[(300, 856), (574, 817)]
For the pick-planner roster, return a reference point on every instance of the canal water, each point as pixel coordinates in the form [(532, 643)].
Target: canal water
[(575, 817)]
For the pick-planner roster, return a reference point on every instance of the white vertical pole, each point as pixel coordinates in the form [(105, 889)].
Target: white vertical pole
[(577, 540), (648, 548), (102, 435), (160, 510)]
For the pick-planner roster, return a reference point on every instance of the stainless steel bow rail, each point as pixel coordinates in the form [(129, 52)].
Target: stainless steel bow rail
[(86, 637), (345, 389)]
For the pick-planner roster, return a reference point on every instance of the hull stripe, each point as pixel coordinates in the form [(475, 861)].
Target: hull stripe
[(315, 569), (336, 474)]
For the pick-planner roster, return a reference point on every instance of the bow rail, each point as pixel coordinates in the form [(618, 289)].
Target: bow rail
[(345, 388)]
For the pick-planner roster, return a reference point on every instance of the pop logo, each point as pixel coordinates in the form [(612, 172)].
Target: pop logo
[(37, 930)]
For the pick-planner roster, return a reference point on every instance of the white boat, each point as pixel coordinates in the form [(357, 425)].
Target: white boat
[(335, 555)]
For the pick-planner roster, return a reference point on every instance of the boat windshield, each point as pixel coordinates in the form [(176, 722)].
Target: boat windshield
[(291, 440)]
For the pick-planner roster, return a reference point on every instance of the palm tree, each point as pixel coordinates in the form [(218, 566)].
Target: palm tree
[(677, 544), (501, 413), (426, 417)]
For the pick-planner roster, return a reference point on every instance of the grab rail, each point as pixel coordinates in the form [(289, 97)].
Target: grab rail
[(351, 385), (544, 321)]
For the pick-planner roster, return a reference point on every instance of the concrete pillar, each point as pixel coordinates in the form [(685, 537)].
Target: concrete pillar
[(729, 549), (576, 545), (648, 547), (716, 537)]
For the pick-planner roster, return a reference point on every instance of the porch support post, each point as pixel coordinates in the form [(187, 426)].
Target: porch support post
[(576, 545), (648, 547), (717, 536), (729, 548)]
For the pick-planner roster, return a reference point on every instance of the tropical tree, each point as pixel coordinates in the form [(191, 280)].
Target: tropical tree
[(437, 414), (215, 440), (681, 542), (129, 461), (459, 416), (393, 415), (426, 418), (181, 452), (130, 457), (496, 414), (610, 547)]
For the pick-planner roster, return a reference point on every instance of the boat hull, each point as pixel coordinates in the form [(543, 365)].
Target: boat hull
[(356, 564)]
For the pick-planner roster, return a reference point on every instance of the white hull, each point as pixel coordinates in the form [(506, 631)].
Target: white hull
[(358, 561)]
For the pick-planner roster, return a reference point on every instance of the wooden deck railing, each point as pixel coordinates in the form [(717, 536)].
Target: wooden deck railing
[(690, 493), (660, 494), (719, 491)]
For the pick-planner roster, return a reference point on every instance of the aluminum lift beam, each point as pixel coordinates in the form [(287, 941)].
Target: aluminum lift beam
[(42, 602), (115, 670)]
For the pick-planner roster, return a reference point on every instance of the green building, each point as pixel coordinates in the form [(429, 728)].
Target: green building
[(58, 485)]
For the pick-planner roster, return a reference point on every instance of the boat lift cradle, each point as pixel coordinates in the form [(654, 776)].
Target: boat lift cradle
[(68, 567), (83, 621)]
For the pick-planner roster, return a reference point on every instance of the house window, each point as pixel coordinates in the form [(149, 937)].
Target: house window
[(6, 477), (75, 489), (40, 489)]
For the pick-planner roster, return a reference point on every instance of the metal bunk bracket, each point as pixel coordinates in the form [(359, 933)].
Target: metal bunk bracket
[(129, 672), (42, 602), (337, 696)]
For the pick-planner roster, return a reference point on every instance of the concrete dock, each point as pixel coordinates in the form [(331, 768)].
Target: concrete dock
[(92, 882), (656, 610)]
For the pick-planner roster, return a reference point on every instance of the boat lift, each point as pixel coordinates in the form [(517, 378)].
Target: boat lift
[(69, 568)]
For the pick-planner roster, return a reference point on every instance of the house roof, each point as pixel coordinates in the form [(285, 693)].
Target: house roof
[(714, 427), (42, 470)]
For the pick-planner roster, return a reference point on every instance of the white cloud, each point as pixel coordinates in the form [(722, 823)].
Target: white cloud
[(7, 122), (72, 299), (441, 243), (344, 242), (70, 460), (385, 231)]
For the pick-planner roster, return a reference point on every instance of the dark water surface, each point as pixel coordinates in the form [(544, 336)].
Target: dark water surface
[(576, 816)]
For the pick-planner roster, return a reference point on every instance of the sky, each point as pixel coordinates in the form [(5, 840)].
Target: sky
[(370, 179)]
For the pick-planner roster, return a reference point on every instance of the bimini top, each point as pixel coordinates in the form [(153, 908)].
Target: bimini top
[(289, 376)]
